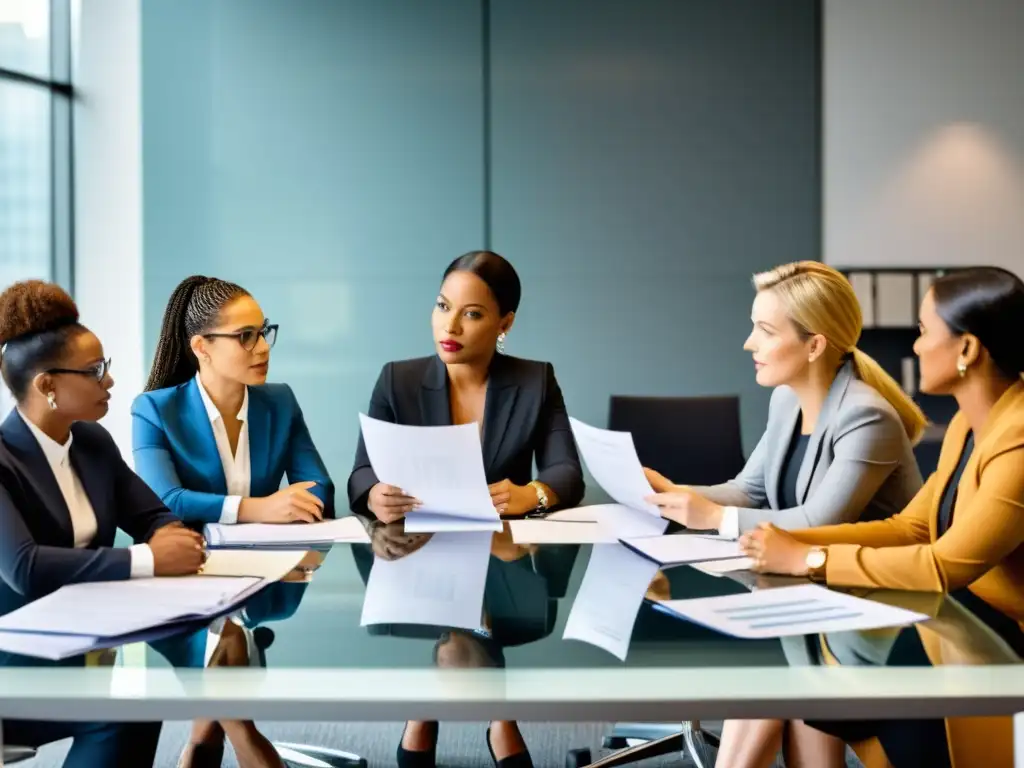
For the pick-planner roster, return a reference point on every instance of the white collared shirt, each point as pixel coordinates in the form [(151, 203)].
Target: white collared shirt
[(237, 470), (83, 516)]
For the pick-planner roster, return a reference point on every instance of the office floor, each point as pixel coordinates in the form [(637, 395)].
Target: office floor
[(460, 746)]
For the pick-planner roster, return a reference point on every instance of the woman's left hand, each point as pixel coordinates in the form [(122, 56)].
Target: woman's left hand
[(688, 508), (511, 500), (775, 551)]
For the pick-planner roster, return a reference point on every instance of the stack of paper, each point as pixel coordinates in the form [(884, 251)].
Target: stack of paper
[(801, 610), (267, 536), (683, 548), (612, 460), (79, 618), (443, 467), (548, 531)]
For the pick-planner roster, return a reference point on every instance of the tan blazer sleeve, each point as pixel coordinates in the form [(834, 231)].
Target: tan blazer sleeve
[(983, 533), (910, 526)]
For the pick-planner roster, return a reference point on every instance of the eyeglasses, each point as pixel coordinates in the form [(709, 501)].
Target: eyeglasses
[(97, 371), (249, 337)]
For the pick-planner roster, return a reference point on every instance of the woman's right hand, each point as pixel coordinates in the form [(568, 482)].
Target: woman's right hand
[(389, 503), (391, 542), (294, 504), (658, 481), (177, 551)]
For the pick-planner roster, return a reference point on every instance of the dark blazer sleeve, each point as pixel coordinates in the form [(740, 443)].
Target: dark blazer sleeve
[(34, 570), (558, 463), (363, 477), (304, 462)]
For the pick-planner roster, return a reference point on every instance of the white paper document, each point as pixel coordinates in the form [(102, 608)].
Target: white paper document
[(269, 565), (112, 608), (443, 467), (682, 549), (44, 646), (800, 610), (576, 514), (718, 567), (608, 600), (612, 460), (559, 532), (347, 529), (441, 584)]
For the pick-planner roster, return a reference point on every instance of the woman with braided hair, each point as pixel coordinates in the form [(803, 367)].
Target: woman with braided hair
[(214, 440), (64, 492)]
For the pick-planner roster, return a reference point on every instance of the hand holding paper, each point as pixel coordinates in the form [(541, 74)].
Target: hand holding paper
[(612, 460), (442, 467)]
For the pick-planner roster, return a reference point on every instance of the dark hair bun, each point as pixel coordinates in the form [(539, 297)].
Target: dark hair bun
[(34, 306)]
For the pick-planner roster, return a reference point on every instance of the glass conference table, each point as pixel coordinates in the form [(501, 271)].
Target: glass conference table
[(323, 666)]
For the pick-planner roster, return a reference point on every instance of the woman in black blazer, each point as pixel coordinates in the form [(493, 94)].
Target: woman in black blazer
[(522, 418), (64, 490)]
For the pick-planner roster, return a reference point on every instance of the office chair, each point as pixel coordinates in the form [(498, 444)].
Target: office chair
[(692, 441)]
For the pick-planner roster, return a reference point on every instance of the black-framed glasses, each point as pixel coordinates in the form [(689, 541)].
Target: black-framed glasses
[(249, 337), (97, 371)]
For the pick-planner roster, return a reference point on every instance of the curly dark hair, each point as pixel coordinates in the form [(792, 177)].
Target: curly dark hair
[(37, 320)]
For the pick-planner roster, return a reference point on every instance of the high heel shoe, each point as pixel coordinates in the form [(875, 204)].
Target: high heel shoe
[(426, 758), (518, 760)]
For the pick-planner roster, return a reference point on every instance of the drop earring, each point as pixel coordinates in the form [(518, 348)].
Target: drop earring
[(961, 368), (500, 346), (51, 399)]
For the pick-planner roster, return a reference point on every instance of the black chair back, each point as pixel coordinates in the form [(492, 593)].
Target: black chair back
[(690, 440)]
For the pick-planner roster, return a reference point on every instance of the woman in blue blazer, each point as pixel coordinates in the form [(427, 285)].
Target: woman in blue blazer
[(64, 491), (214, 441)]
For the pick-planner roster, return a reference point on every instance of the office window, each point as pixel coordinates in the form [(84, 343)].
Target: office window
[(35, 144)]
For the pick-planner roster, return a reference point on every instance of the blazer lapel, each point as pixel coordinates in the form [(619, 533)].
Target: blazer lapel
[(18, 437), (836, 393), (258, 424), (435, 407), (502, 391), (779, 447), (200, 437), (95, 478)]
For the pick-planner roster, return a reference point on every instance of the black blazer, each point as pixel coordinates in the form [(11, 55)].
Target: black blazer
[(524, 418), (37, 554)]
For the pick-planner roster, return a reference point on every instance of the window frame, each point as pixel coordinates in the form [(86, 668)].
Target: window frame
[(62, 96)]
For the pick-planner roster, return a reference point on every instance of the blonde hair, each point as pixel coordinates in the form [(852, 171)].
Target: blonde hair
[(820, 300)]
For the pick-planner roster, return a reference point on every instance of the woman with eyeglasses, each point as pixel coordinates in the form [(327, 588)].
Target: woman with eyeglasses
[(214, 440), (64, 492)]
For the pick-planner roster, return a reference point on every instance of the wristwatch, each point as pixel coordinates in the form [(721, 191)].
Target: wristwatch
[(816, 560), (542, 495)]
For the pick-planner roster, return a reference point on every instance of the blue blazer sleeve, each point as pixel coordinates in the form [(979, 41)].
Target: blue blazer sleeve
[(304, 462), (154, 464)]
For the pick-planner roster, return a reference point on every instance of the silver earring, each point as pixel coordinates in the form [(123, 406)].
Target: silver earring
[(961, 368), (501, 342), (51, 398)]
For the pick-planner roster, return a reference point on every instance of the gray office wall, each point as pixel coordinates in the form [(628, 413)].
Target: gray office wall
[(643, 159)]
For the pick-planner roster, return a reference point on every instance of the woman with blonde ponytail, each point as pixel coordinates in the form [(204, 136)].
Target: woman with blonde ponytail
[(838, 448)]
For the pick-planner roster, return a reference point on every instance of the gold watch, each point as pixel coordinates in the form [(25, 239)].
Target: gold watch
[(816, 560), (542, 494)]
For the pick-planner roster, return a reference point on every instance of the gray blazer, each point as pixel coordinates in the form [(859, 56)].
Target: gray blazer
[(859, 463)]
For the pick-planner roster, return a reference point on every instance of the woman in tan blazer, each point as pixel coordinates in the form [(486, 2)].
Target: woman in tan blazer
[(965, 528)]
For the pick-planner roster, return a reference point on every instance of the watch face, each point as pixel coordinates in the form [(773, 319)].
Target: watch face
[(816, 558)]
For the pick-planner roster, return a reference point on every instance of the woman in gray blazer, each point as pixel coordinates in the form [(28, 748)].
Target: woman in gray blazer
[(838, 448)]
